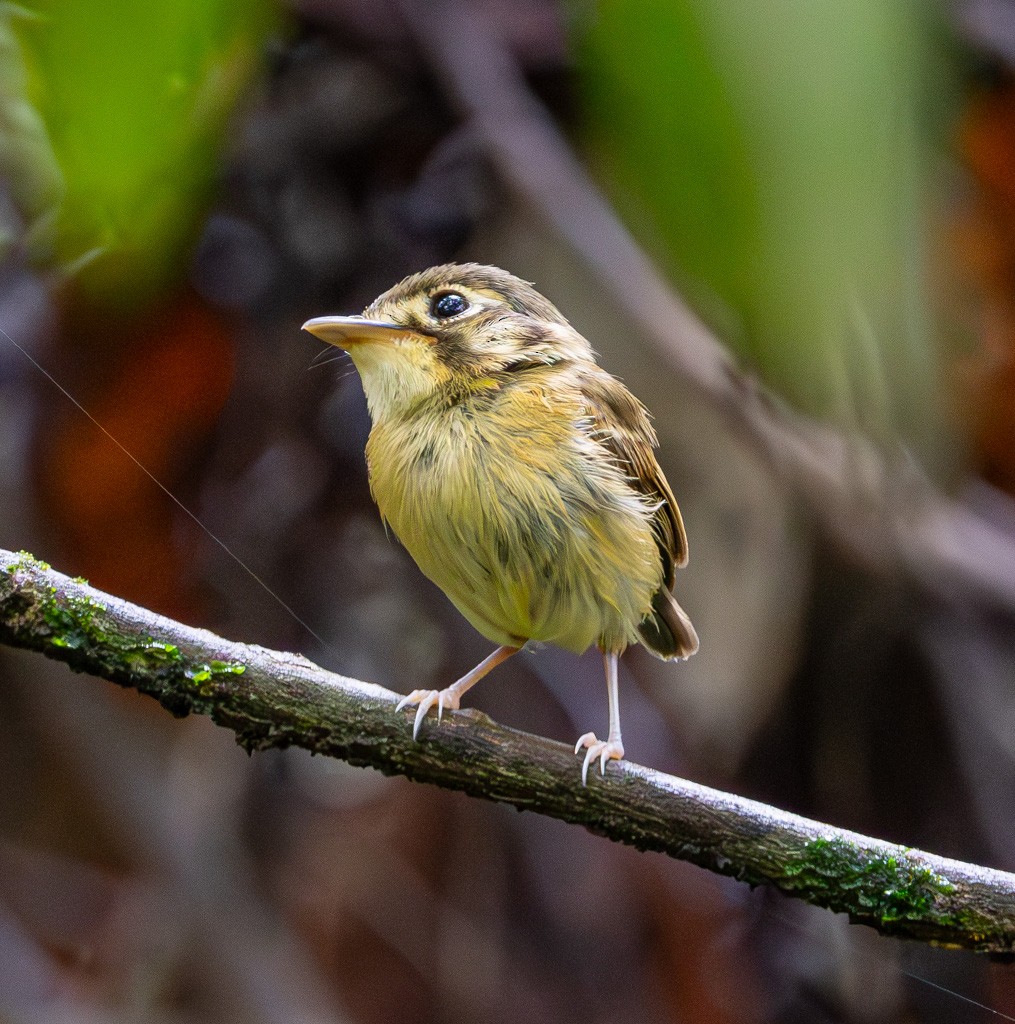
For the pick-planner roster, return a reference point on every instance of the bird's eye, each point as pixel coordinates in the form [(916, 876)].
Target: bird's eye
[(448, 305)]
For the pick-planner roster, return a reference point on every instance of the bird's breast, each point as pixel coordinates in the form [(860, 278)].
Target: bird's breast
[(521, 519)]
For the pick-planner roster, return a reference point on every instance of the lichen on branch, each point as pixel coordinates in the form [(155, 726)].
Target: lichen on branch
[(273, 699)]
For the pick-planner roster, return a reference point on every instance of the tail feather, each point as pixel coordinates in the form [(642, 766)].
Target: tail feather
[(667, 631)]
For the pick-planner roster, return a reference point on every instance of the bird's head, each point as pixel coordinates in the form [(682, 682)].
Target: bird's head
[(446, 328)]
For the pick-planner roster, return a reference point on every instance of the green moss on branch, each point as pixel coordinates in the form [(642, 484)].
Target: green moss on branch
[(892, 887)]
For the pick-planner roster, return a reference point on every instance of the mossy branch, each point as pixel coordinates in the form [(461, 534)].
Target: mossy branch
[(270, 699)]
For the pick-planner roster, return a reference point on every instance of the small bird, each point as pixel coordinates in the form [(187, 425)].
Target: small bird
[(519, 475)]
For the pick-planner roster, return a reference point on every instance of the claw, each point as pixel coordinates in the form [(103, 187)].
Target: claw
[(425, 700), (589, 754), (605, 750), (589, 737), (425, 704)]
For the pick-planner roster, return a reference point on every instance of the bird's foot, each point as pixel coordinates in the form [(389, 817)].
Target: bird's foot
[(425, 700), (605, 750)]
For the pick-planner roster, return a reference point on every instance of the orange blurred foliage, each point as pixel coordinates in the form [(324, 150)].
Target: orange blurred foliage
[(985, 244), (157, 382)]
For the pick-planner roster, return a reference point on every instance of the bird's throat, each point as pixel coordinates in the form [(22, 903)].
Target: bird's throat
[(397, 378)]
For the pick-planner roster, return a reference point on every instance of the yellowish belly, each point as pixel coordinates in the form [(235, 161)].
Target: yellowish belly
[(532, 537)]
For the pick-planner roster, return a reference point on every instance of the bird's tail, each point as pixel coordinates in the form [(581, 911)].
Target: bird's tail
[(667, 631)]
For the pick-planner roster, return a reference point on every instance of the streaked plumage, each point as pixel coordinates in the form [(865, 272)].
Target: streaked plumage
[(518, 474)]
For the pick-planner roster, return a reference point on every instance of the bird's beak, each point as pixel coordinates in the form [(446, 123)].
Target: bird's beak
[(346, 331)]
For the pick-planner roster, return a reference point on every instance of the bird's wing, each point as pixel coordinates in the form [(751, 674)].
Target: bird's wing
[(620, 423)]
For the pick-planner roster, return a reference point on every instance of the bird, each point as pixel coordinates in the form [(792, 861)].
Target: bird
[(519, 474)]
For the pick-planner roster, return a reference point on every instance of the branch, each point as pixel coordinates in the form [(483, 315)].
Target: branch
[(270, 699), (883, 511)]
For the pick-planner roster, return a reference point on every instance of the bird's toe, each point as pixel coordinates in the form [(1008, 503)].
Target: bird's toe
[(425, 700), (584, 741), (605, 750)]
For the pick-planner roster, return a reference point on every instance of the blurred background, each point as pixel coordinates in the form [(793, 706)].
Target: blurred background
[(831, 187)]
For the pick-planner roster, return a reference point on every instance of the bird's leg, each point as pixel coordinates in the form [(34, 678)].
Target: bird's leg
[(451, 696), (612, 748)]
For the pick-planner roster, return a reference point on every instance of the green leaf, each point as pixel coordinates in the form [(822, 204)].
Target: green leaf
[(775, 159), (135, 97)]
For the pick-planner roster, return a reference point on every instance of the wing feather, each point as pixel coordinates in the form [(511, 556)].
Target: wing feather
[(621, 424)]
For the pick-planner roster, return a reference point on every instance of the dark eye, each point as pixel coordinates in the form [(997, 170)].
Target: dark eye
[(448, 305)]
